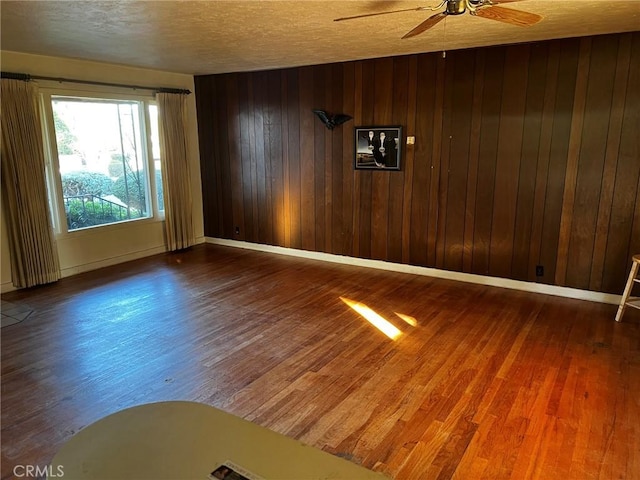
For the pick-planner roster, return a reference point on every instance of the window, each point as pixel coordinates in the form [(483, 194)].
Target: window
[(155, 151), (105, 157)]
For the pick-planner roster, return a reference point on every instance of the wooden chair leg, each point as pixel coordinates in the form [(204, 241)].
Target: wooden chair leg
[(627, 290)]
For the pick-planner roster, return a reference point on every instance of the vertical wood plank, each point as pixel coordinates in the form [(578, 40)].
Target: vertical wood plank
[(358, 120), (508, 160), (267, 219), (246, 227), (246, 234), (558, 155), (544, 154), (319, 158), (446, 143), (491, 102), (397, 179), (307, 169), (423, 171), (217, 156), (409, 158), (224, 161), (575, 137), (328, 90), (365, 213), (382, 114), (234, 147), (366, 176), (535, 95), (295, 162), (334, 100), (459, 156), (348, 176), (275, 161), (286, 174), (261, 127), (251, 108), (436, 158), (205, 107), (474, 151)]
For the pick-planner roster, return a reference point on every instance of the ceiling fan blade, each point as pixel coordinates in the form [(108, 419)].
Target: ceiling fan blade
[(426, 25), (510, 16), (415, 9)]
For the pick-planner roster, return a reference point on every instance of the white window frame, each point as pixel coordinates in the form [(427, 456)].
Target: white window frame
[(54, 179), (151, 160)]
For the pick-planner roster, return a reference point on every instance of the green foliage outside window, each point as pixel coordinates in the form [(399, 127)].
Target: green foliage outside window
[(64, 137), (91, 211), (91, 208), (131, 191), (86, 183), (159, 190)]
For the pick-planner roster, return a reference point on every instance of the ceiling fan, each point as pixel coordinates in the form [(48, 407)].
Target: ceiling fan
[(481, 8)]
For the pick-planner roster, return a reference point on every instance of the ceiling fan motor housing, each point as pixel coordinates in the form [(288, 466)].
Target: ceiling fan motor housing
[(456, 7)]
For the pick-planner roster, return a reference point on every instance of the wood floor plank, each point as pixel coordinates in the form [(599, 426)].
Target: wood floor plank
[(481, 382)]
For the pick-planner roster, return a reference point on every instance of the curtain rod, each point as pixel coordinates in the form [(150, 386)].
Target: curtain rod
[(26, 77)]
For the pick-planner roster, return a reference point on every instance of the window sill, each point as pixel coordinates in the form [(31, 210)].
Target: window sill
[(111, 227)]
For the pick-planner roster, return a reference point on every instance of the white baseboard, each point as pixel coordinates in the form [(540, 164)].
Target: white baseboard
[(67, 272), (429, 272), (107, 262), (7, 287)]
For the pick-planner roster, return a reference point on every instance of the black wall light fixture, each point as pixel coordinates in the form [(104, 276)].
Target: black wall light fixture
[(331, 121)]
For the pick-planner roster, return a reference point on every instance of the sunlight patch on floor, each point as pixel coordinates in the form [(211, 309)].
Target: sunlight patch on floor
[(408, 319), (374, 318)]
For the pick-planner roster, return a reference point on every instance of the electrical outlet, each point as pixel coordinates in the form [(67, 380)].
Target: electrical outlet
[(539, 271)]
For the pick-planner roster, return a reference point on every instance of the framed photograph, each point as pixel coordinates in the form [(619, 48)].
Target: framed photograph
[(378, 148)]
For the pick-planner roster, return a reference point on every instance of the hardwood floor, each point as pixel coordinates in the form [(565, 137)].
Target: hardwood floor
[(488, 383)]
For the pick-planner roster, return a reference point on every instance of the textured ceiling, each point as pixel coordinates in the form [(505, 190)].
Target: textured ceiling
[(228, 36)]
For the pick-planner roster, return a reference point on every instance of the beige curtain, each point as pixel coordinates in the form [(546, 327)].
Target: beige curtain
[(176, 173), (34, 257)]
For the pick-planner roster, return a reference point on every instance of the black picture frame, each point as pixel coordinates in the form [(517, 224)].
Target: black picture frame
[(378, 148)]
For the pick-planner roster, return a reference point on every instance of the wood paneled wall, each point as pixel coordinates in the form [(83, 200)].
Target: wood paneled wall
[(525, 155)]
